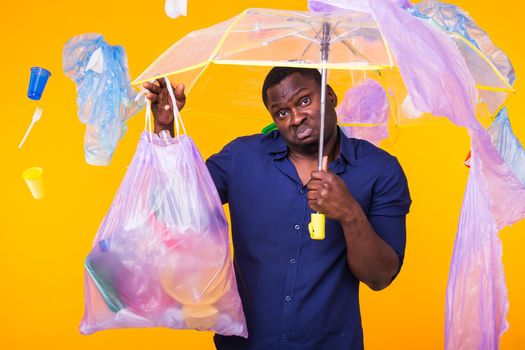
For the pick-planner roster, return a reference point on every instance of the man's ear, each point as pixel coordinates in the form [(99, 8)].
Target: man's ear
[(330, 93)]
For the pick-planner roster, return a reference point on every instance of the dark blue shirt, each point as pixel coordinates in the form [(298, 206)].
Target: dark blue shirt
[(298, 293)]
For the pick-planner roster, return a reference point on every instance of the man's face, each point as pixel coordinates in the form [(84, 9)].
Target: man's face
[(295, 106)]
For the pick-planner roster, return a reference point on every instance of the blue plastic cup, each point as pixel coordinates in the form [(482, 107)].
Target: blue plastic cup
[(37, 82)]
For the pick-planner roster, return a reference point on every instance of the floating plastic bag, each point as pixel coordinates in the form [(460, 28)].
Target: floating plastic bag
[(105, 98), (365, 104), (161, 256), (176, 8), (476, 304)]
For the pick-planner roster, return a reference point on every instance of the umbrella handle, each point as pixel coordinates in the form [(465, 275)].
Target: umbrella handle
[(316, 227)]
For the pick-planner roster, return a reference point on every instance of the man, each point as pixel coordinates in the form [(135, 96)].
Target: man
[(298, 293)]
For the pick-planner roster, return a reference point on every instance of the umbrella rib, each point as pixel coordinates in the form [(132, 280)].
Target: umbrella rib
[(294, 32), (352, 49), (269, 13), (313, 40), (343, 36), (311, 43), (336, 25), (338, 37), (195, 66), (257, 29)]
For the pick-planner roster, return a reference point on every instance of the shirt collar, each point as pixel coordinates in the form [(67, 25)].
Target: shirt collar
[(277, 146), (347, 148)]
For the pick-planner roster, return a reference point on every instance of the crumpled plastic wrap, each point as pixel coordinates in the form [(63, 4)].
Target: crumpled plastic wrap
[(365, 104), (161, 256), (508, 145), (453, 19), (105, 97)]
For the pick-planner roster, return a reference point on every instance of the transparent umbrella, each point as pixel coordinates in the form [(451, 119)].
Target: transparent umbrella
[(343, 40)]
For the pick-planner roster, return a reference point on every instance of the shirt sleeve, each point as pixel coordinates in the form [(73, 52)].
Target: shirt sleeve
[(390, 194), (220, 166), (392, 229), (390, 204)]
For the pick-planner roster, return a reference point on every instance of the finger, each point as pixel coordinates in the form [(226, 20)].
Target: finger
[(164, 98), (319, 175), (151, 87), (325, 163), (315, 205), (313, 185), (161, 82), (312, 195), (154, 98), (179, 92)]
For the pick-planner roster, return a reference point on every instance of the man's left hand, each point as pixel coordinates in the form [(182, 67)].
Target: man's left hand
[(329, 195)]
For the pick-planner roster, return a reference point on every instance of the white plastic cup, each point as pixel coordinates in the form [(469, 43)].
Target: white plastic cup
[(35, 181), (201, 317)]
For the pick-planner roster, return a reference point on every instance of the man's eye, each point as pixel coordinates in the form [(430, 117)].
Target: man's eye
[(282, 114), (305, 101)]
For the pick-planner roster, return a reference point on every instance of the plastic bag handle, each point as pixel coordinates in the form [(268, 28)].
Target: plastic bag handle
[(147, 123), (176, 114)]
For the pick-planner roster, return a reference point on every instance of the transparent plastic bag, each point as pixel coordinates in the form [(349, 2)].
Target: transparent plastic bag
[(476, 299), (366, 105), (161, 256), (105, 97)]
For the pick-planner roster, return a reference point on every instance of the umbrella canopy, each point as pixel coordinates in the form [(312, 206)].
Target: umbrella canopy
[(265, 37), (355, 42)]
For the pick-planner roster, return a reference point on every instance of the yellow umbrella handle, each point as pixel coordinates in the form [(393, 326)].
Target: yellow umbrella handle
[(316, 226)]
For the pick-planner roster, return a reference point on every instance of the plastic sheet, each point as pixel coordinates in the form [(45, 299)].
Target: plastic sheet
[(105, 98), (477, 301), (161, 256), (365, 104), (454, 20), (508, 145), (476, 293)]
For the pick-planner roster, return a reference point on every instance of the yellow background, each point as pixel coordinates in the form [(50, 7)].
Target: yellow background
[(43, 243)]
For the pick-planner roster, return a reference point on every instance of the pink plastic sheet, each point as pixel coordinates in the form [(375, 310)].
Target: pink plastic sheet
[(476, 294)]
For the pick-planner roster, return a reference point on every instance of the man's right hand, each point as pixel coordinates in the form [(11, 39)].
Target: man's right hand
[(161, 104)]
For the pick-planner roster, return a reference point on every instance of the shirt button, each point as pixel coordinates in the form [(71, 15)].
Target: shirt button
[(292, 261), (297, 227), (284, 335), (301, 191), (287, 298)]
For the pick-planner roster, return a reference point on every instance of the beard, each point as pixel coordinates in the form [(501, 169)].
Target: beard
[(309, 147)]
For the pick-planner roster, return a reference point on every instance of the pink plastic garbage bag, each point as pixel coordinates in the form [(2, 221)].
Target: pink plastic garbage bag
[(161, 256)]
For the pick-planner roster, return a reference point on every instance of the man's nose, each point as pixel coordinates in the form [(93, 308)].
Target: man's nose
[(298, 116)]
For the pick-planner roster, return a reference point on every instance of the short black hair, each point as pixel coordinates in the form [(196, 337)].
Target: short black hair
[(277, 74)]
